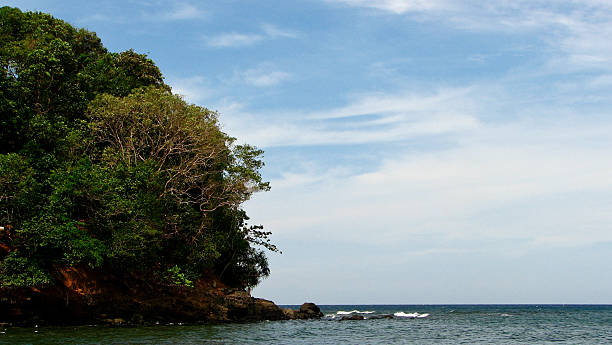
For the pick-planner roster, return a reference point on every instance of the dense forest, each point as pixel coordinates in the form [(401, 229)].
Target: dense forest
[(103, 167)]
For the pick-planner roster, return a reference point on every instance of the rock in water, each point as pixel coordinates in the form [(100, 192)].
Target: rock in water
[(290, 314), (352, 317), (307, 311), (242, 307), (310, 311)]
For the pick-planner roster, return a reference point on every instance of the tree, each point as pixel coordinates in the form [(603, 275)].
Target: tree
[(102, 166), (192, 172), (51, 71)]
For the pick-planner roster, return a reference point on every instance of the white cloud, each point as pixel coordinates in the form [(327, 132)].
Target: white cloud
[(471, 15), (388, 118), (457, 99), (264, 75), (586, 42), (528, 167), (399, 6), (235, 39), (183, 11), (274, 31), (172, 12), (546, 185), (578, 30), (154, 11), (257, 78)]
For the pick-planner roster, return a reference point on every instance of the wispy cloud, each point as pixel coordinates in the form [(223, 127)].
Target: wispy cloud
[(505, 193), (536, 171), (578, 30), (233, 39), (471, 15), (174, 12), (236, 39), (370, 118), (586, 39), (154, 11), (399, 6), (263, 75), (403, 102), (495, 184), (184, 11), (273, 31)]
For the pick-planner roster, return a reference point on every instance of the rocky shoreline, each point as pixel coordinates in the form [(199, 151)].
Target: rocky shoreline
[(234, 306), (83, 298)]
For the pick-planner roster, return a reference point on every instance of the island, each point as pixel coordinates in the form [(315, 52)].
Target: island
[(120, 202)]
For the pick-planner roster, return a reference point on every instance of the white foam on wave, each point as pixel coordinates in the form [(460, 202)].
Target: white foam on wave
[(342, 312), (402, 314), (410, 315)]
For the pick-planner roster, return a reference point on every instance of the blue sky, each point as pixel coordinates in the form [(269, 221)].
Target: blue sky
[(419, 151)]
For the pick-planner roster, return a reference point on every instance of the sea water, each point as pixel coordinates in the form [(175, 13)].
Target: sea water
[(411, 324)]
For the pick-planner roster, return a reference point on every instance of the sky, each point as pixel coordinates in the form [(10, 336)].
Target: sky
[(419, 151)]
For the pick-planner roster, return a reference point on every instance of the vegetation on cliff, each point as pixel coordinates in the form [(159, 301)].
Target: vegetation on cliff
[(101, 166)]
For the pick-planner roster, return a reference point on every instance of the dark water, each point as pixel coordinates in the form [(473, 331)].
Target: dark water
[(445, 324)]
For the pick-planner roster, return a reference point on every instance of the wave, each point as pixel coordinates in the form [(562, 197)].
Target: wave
[(342, 312), (411, 315)]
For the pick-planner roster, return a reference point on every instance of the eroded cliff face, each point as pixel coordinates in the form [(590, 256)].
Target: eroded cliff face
[(85, 296)]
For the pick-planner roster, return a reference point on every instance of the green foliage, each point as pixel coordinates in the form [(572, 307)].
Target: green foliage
[(196, 179), (102, 166), (16, 271), (239, 263), (20, 193), (176, 276), (51, 71)]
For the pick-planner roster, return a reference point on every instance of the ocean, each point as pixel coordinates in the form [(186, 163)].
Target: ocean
[(411, 324)]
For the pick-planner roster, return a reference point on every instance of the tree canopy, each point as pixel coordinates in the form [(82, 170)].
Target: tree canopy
[(102, 166)]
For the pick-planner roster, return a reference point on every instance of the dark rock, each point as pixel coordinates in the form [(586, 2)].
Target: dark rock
[(242, 307), (307, 311), (311, 311), (165, 304), (352, 317), (290, 314), (137, 319), (114, 322), (85, 296)]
